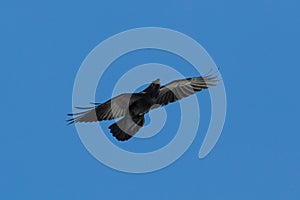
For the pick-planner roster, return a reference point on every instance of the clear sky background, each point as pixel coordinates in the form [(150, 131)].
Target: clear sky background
[(256, 45)]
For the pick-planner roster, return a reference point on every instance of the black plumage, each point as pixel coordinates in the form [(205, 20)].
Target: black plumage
[(133, 107)]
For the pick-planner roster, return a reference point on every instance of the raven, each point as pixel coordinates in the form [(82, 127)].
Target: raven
[(133, 107)]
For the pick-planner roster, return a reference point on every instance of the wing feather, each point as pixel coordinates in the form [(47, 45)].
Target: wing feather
[(111, 109), (182, 88)]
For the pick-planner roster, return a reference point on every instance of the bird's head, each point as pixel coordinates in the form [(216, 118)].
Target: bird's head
[(153, 88), (155, 84)]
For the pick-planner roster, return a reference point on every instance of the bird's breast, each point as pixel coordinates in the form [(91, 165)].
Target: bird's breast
[(140, 107)]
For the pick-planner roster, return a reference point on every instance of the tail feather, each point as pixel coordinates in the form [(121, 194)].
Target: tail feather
[(125, 128)]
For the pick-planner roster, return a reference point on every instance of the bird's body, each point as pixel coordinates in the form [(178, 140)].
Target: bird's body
[(133, 107), (142, 105)]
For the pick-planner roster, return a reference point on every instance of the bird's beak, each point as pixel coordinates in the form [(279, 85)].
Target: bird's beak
[(157, 81)]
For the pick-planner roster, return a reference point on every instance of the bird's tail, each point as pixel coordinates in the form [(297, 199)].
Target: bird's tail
[(125, 128)]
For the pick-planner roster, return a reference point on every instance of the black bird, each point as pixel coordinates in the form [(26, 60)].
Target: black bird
[(133, 107)]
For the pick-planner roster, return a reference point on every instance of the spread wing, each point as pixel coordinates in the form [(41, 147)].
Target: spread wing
[(112, 109), (179, 89)]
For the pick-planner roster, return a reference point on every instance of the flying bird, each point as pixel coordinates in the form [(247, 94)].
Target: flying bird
[(133, 106)]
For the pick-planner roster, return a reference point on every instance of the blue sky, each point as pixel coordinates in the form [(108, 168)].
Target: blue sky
[(256, 45)]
